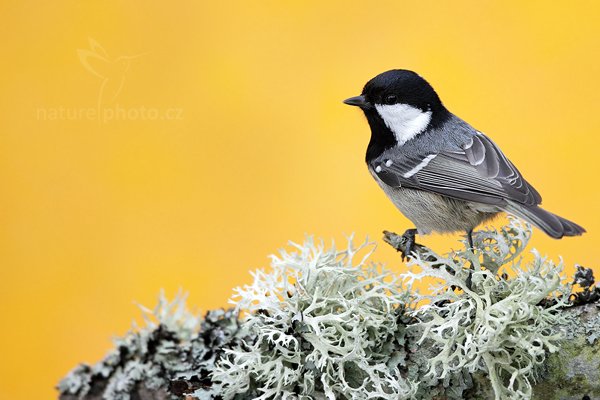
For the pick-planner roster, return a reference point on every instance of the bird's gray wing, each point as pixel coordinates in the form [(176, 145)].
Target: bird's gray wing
[(479, 172)]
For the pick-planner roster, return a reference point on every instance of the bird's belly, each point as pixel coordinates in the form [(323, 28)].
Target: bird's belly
[(432, 212)]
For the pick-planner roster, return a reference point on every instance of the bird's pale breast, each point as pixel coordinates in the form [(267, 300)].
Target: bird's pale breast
[(431, 212)]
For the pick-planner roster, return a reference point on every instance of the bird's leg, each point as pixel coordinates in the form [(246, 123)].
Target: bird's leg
[(470, 239), (468, 281), (409, 237)]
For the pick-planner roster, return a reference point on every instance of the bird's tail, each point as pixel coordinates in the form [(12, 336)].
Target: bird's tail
[(552, 224)]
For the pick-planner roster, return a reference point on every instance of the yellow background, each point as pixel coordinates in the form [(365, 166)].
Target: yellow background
[(96, 215)]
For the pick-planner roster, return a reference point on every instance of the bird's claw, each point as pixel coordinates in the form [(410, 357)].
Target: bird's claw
[(409, 243), (406, 244)]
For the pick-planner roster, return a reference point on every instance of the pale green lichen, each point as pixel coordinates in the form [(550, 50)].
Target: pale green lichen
[(325, 323), (481, 321), (575, 371), (142, 355), (173, 344)]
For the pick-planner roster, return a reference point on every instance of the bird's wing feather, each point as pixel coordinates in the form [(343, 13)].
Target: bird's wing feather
[(478, 172)]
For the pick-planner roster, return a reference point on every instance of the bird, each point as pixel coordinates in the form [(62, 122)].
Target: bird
[(444, 175)]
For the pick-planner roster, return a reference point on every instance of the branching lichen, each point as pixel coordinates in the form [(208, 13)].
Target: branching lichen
[(325, 323), (481, 321), (174, 345)]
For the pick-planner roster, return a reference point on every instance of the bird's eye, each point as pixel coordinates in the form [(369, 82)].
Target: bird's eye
[(391, 99)]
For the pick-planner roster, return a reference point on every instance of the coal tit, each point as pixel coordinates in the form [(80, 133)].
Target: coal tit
[(439, 171)]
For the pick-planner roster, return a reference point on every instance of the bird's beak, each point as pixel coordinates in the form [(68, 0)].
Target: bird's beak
[(358, 101)]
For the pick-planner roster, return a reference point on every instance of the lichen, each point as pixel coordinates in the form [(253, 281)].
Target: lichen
[(173, 344), (482, 321), (327, 323), (574, 372)]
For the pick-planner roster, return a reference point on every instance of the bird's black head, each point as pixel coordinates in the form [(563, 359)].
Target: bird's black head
[(398, 86), (399, 104)]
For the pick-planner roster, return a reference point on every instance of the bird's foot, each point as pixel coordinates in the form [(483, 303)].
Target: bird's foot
[(408, 247), (408, 240), (404, 243)]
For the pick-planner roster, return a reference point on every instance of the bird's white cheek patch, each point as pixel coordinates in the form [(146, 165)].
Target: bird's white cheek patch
[(404, 121)]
